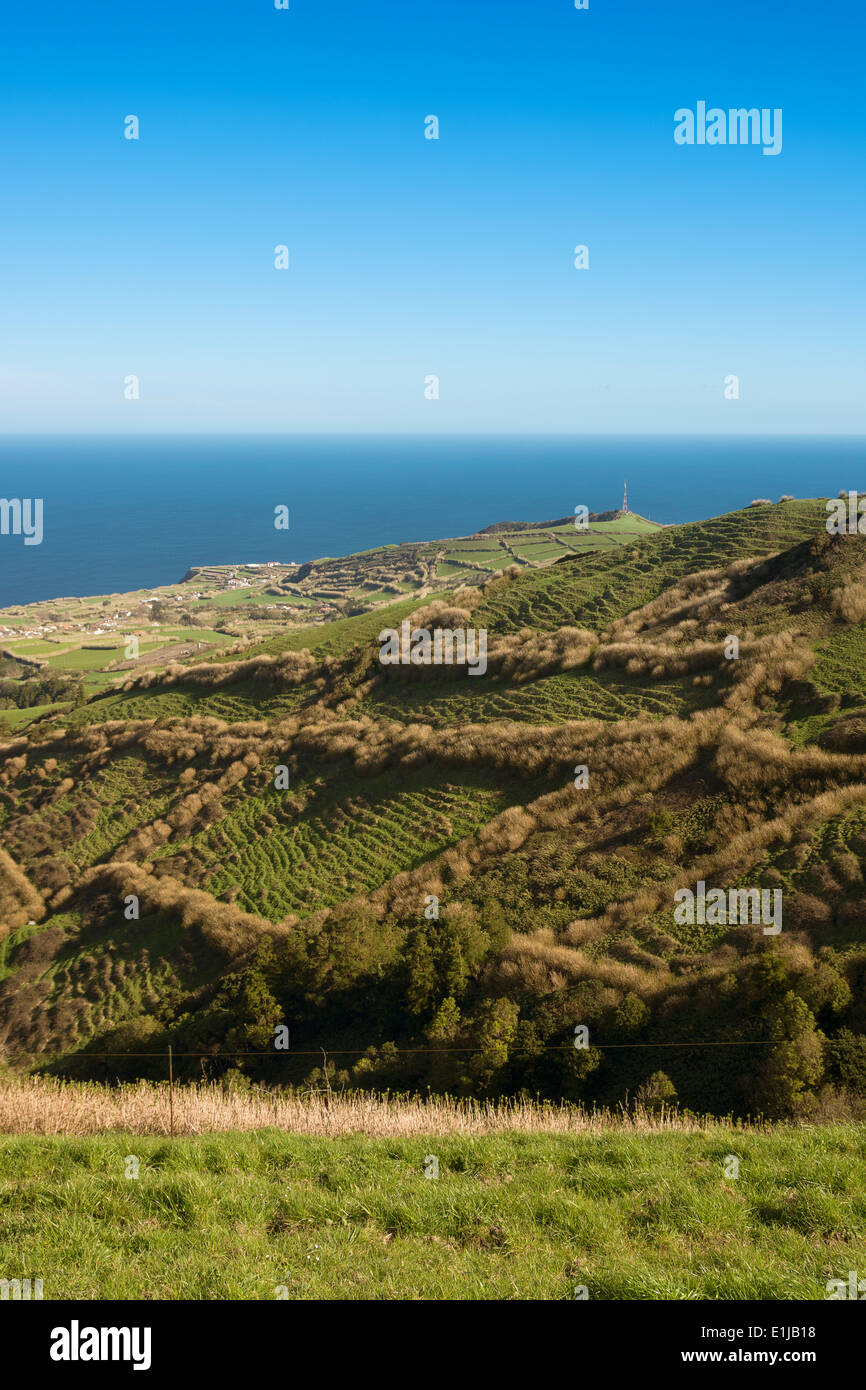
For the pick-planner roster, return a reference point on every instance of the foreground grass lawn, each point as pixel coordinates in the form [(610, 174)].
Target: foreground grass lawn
[(511, 1216)]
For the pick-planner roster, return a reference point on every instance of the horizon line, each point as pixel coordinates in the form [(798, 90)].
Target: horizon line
[(427, 435)]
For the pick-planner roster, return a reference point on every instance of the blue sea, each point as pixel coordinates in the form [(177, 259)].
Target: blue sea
[(125, 513)]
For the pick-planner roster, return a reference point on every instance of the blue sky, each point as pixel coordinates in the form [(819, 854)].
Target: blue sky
[(412, 257)]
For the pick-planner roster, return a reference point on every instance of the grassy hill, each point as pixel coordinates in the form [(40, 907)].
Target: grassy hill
[(399, 863)]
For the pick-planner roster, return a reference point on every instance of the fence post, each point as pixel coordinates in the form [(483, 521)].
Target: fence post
[(170, 1091)]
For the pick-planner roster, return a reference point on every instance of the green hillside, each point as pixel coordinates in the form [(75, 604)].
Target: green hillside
[(402, 864), (60, 652)]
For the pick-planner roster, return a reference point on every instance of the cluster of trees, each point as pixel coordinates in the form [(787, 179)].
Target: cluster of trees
[(49, 687), (791, 1027)]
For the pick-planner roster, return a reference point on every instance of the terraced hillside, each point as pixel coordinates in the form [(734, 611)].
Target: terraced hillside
[(435, 877), (59, 652)]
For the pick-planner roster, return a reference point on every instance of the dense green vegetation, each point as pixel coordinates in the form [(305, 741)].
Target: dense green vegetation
[(43, 690)]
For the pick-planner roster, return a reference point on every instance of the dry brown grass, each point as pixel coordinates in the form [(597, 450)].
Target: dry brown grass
[(851, 602), (19, 900), (223, 927), (37, 1105), (572, 965)]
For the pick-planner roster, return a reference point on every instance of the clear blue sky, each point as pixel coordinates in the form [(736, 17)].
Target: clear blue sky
[(410, 256)]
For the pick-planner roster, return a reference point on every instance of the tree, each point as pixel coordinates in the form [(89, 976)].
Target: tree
[(446, 1021), (631, 1016), (422, 973), (495, 1032), (657, 1093), (846, 1060), (253, 1010), (795, 1065)]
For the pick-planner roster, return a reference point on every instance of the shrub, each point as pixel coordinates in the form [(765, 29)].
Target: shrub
[(850, 602), (657, 1093)]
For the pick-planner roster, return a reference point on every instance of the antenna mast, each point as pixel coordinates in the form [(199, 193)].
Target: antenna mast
[(625, 495)]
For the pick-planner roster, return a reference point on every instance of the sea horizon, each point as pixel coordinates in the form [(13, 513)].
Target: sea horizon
[(129, 512)]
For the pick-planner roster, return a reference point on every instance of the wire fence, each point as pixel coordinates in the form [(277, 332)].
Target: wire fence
[(170, 1055)]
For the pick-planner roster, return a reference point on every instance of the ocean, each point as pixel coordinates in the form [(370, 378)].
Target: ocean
[(122, 513)]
